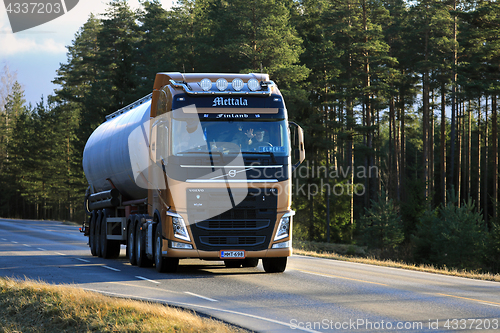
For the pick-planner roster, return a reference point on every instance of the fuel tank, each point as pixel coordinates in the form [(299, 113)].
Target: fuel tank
[(107, 155)]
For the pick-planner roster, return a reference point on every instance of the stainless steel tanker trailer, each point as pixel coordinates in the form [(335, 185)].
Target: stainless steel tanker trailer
[(200, 168)]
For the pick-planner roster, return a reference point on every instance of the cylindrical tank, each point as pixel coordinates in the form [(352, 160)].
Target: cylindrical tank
[(106, 156)]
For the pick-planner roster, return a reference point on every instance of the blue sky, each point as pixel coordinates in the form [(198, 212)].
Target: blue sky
[(35, 54)]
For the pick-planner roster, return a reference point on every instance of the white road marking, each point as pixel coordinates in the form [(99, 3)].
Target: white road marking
[(338, 277), (111, 268), (3, 239), (206, 298), (15, 242), (41, 249), (490, 304), (145, 279), (59, 253), (84, 260), (161, 301)]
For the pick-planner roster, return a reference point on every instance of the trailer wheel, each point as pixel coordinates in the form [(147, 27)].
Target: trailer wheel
[(97, 235), (109, 248), (274, 265), (102, 237), (140, 244), (163, 265), (131, 242), (92, 234)]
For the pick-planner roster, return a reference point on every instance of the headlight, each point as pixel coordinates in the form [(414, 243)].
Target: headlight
[(253, 84), (284, 226), (206, 84), (221, 84), (237, 84), (180, 230)]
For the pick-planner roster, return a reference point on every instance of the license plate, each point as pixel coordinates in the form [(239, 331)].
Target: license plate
[(231, 254)]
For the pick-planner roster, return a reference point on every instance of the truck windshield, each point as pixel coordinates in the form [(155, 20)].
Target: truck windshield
[(229, 137)]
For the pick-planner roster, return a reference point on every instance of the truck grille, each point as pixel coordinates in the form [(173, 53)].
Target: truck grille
[(232, 240), (247, 226), (233, 224)]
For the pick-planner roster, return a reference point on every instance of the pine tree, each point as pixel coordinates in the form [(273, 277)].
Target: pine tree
[(79, 79), (251, 36), (15, 107), (117, 57)]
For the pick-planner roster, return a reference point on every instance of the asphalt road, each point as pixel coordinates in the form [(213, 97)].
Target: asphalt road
[(312, 295)]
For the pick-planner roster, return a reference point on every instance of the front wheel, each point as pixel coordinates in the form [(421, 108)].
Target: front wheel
[(274, 265), (163, 265)]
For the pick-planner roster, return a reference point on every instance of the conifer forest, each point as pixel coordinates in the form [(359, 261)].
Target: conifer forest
[(398, 100)]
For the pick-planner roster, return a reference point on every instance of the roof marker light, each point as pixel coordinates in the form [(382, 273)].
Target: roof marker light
[(221, 84), (253, 84), (206, 84), (237, 84)]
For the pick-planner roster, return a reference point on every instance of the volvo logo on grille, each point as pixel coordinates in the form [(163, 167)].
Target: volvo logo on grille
[(231, 173)]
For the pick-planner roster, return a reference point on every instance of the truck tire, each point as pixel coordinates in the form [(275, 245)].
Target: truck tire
[(131, 241), (92, 234), (274, 265), (97, 235), (140, 244), (109, 248), (250, 262), (163, 265)]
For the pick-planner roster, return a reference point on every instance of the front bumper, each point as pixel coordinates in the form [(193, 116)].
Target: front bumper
[(214, 255)]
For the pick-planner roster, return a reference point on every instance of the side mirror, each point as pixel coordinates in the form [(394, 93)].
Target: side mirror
[(297, 143)]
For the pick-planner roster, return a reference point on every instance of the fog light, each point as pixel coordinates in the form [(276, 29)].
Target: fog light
[(282, 245), (179, 245)]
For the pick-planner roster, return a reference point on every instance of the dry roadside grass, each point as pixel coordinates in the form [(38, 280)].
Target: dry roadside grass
[(29, 306), (395, 264)]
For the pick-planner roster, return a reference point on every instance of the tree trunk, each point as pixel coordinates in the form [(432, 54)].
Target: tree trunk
[(494, 138), (485, 163), (431, 148), (459, 164), (453, 100), (469, 152), (478, 162), (443, 145)]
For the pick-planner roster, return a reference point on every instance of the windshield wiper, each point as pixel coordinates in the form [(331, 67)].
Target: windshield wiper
[(270, 153)]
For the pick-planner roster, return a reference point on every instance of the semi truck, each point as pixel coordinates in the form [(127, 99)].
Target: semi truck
[(200, 168)]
